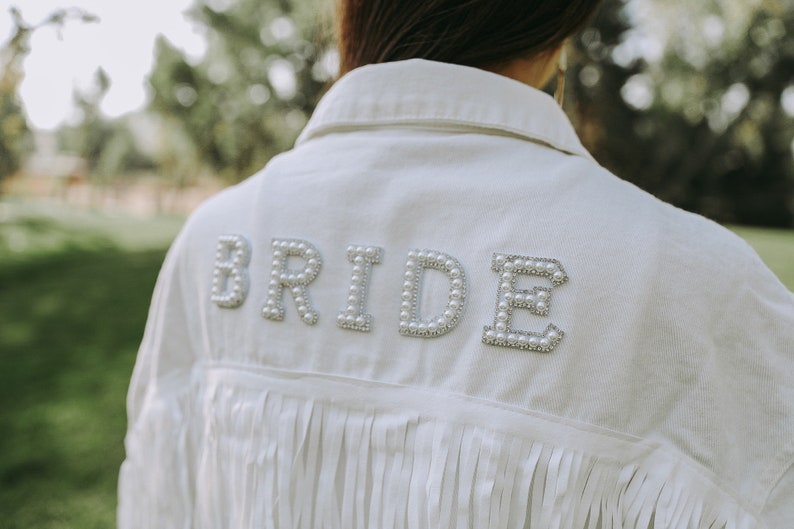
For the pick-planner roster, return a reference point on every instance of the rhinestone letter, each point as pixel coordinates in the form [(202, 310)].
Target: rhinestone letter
[(411, 324), (353, 316), (230, 275), (537, 301), (294, 280)]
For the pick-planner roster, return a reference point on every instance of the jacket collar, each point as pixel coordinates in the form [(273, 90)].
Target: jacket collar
[(419, 92)]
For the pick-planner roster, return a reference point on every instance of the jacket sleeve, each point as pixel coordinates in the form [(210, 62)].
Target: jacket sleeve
[(778, 507), (155, 489), (779, 510)]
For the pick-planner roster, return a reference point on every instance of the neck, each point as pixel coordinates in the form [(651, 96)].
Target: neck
[(535, 71)]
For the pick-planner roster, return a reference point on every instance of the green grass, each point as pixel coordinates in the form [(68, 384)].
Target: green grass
[(32, 229), (74, 291), (72, 311), (776, 248)]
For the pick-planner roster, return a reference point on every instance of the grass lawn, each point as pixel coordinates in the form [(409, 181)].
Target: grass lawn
[(776, 248), (75, 290), (72, 309)]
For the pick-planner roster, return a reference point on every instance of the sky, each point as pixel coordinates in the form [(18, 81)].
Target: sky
[(122, 43)]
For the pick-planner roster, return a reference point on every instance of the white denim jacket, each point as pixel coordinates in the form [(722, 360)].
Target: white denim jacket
[(439, 311)]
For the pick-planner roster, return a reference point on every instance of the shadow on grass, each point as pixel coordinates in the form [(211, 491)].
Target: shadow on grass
[(70, 325)]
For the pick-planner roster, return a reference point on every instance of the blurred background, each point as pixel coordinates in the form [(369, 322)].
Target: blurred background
[(118, 118)]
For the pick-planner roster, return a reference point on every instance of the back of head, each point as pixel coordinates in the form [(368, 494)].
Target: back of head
[(468, 32)]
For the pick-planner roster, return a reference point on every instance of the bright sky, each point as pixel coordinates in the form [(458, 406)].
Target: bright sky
[(122, 43)]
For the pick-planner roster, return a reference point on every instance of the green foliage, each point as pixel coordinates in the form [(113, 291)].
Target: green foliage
[(699, 126), (16, 140), (735, 163), (604, 120), (247, 99), (107, 145), (703, 127)]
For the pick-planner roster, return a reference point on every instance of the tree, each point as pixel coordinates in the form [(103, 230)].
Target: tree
[(694, 116), (16, 139), (246, 100), (742, 135), (607, 124), (107, 145)]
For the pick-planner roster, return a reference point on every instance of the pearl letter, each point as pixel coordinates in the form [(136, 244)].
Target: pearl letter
[(353, 316), (411, 324), (230, 275), (537, 301), (295, 280)]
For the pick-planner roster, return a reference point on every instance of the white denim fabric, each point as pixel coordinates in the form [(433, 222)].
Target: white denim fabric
[(668, 401)]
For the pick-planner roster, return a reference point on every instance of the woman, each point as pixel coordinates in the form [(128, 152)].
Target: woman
[(439, 311)]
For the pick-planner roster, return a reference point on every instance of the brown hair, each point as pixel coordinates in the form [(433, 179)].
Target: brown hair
[(466, 32)]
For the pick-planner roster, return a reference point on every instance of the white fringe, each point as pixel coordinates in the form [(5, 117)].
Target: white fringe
[(155, 481), (288, 457)]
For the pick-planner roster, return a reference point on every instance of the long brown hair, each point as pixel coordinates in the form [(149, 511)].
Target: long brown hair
[(467, 32)]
